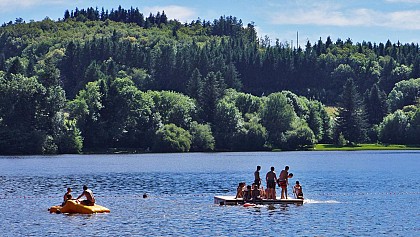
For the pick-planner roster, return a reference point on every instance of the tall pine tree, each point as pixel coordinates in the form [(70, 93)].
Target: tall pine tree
[(351, 120)]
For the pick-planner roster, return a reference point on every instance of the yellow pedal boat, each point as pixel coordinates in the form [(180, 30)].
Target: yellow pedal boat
[(72, 206)]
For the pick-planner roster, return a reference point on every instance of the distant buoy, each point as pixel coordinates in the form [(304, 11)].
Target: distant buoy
[(145, 195)]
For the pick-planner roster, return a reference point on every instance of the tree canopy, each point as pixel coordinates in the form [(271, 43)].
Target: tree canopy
[(100, 80)]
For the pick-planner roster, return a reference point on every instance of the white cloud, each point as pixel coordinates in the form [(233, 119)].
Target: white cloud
[(335, 15), (10, 4), (183, 14), (404, 1)]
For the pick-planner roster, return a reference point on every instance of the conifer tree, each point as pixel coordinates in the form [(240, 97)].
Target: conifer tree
[(351, 120), (376, 106), (195, 85), (213, 89)]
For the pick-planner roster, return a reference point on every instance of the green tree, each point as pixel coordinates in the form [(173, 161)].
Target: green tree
[(314, 120), (171, 138), (252, 136), (277, 117), (393, 129), (300, 137), (174, 107), (202, 137), (16, 67), (71, 141), (227, 123), (231, 76), (213, 89), (351, 120), (376, 105), (21, 115), (86, 109), (404, 93), (195, 85), (414, 129)]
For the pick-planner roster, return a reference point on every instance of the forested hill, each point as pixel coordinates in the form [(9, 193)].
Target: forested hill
[(100, 79)]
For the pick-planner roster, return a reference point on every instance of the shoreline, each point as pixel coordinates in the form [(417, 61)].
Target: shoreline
[(317, 147), (362, 147)]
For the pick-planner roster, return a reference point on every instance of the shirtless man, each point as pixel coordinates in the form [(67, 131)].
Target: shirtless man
[(257, 179), (283, 181), (271, 178), (90, 199)]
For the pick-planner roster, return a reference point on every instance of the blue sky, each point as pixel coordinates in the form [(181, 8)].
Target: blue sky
[(360, 20)]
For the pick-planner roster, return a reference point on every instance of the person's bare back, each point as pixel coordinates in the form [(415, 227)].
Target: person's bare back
[(271, 178)]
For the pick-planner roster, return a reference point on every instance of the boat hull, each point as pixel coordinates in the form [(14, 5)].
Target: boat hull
[(72, 206)]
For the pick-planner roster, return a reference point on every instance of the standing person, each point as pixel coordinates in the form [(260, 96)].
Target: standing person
[(282, 182), (90, 199), (257, 179), (271, 178)]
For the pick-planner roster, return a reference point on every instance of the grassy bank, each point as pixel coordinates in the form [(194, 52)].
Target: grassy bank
[(332, 147)]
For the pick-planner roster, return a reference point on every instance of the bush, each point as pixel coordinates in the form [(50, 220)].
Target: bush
[(202, 137), (299, 138), (49, 146), (341, 140), (171, 138), (71, 142), (251, 138)]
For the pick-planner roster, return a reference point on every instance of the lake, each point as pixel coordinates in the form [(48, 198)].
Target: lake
[(360, 193)]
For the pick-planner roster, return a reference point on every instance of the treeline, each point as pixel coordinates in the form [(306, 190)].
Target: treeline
[(120, 15), (95, 81)]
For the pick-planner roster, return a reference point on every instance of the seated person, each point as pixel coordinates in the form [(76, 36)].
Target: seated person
[(66, 196), (262, 192), (255, 193), (297, 190), (90, 199), (240, 190), (248, 194)]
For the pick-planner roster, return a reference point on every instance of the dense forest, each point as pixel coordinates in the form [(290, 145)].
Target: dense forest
[(101, 81)]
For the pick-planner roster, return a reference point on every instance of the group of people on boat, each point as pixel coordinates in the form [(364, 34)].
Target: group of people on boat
[(87, 193), (257, 192)]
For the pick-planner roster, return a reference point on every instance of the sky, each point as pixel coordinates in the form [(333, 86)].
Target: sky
[(373, 21)]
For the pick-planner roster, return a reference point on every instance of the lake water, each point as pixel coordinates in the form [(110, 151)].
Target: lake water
[(364, 193)]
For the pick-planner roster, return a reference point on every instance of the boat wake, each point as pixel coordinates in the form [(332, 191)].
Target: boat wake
[(309, 201)]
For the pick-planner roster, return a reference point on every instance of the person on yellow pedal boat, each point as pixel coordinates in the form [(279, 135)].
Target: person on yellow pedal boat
[(90, 199)]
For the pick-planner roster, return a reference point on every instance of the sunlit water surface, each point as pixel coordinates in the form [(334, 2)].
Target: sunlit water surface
[(347, 194)]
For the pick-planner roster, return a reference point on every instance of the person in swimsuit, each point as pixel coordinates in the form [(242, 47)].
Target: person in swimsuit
[(297, 190), (271, 178), (240, 190), (90, 199), (256, 193), (257, 179), (248, 194), (282, 182), (66, 196)]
